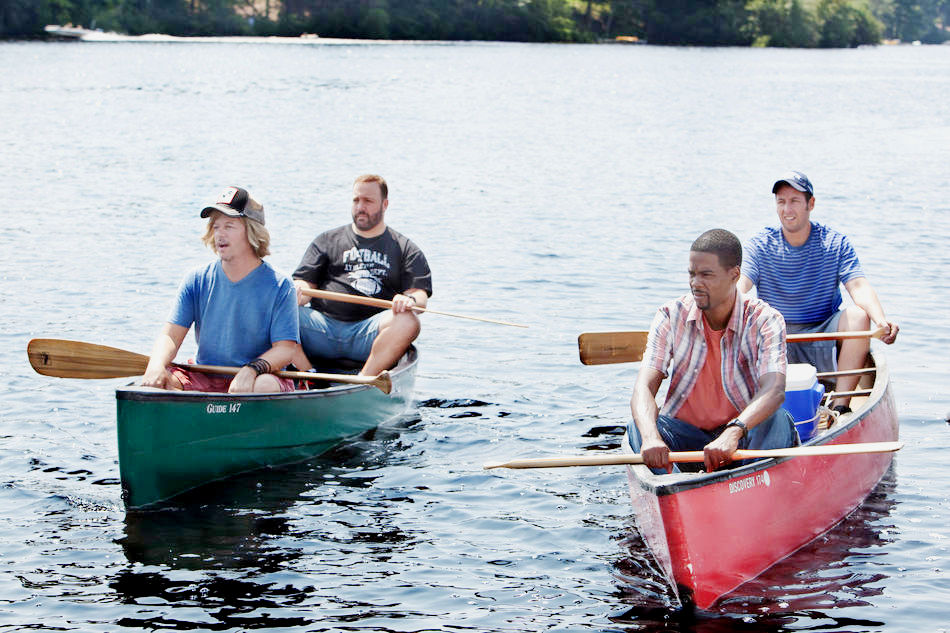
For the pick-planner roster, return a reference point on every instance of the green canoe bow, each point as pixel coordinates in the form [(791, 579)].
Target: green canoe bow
[(173, 441)]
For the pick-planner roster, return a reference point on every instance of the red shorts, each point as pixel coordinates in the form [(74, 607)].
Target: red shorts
[(197, 381)]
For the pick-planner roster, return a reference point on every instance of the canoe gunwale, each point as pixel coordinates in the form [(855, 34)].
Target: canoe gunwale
[(669, 484), (139, 393)]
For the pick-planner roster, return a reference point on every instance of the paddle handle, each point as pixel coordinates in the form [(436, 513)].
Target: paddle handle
[(383, 303), (347, 298), (592, 460), (835, 336)]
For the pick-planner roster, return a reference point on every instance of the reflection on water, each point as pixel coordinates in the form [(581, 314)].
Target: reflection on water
[(832, 572), (228, 548)]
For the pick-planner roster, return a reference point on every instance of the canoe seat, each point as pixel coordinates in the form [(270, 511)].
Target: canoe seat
[(337, 365)]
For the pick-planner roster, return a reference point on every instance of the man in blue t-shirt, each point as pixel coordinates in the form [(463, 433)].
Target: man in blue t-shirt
[(244, 311), (365, 258), (798, 269)]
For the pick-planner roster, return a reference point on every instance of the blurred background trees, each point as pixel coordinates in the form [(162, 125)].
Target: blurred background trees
[(795, 23)]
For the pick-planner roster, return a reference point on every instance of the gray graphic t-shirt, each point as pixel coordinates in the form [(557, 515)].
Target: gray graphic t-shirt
[(382, 267)]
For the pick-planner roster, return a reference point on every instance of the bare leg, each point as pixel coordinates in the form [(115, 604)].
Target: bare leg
[(853, 352), (396, 333), (266, 383)]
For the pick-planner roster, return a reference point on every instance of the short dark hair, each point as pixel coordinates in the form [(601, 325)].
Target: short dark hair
[(722, 244), (379, 180)]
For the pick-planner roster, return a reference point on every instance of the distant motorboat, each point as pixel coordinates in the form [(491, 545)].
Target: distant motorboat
[(80, 34), (68, 31)]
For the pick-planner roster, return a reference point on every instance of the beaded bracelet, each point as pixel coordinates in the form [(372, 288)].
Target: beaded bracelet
[(259, 365)]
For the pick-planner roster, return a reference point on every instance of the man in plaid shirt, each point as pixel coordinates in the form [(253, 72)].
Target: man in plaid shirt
[(725, 356)]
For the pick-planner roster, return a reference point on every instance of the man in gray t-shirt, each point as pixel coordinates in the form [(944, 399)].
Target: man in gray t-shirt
[(364, 258)]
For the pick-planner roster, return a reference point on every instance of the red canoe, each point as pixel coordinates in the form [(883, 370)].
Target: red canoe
[(711, 532)]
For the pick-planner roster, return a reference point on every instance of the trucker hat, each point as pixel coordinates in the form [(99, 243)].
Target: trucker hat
[(796, 180), (237, 203)]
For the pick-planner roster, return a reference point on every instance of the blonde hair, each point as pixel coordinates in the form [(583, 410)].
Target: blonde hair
[(257, 235)]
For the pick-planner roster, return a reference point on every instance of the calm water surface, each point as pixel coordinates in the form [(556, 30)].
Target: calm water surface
[(554, 185)]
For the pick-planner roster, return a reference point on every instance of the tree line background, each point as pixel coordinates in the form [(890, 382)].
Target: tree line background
[(790, 23)]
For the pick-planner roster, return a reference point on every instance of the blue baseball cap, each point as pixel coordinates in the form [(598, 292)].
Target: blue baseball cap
[(796, 180)]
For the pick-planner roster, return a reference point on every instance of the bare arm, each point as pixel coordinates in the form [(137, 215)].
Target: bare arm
[(745, 284), (864, 296), (163, 353), (767, 400), (655, 452), (280, 354)]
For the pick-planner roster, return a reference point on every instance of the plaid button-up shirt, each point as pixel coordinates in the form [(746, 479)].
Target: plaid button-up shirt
[(752, 346)]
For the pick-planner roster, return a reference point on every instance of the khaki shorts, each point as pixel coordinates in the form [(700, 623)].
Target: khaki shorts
[(822, 355)]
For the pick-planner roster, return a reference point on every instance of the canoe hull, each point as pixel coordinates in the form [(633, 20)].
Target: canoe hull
[(713, 532), (171, 442)]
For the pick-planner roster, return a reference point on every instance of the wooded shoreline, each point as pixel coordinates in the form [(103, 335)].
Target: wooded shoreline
[(780, 23)]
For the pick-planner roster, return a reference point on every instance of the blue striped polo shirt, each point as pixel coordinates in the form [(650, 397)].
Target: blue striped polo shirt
[(801, 282)]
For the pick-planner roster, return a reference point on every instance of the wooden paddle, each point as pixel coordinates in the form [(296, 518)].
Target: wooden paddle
[(831, 395), (601, 348), (697, 456), (75, 359), (846, 372), (383, 303)]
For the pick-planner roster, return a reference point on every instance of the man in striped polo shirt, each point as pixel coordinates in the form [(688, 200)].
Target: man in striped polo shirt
[(725, 355), (798, 269)]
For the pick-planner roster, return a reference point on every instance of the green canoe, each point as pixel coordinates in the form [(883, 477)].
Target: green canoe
[(173, 441)]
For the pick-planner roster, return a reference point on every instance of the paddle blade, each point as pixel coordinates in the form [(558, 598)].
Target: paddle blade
[(75, 359), (602, 348)]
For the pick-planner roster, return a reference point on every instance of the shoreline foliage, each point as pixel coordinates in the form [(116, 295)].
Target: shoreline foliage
[(780, 23)]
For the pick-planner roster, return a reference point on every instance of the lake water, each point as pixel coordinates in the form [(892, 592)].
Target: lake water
[(554, 185)]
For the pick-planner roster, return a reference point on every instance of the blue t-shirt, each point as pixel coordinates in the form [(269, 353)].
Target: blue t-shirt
[(236, 322), (801, 282)]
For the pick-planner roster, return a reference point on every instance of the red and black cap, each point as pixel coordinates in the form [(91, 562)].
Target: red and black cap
[(237, 203)]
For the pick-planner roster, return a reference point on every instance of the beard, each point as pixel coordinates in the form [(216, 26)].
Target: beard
[(367, 221), (702, 301)]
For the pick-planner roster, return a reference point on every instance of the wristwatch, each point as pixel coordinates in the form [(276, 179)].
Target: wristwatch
[(740, 424)]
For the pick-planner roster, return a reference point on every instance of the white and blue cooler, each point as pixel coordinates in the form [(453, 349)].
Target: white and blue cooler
[(803, 394)]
